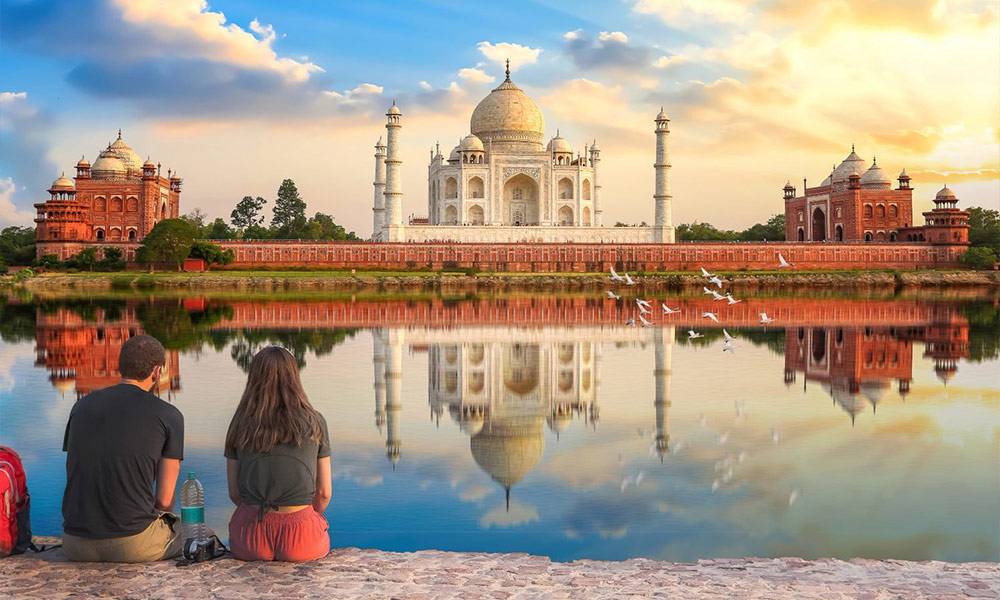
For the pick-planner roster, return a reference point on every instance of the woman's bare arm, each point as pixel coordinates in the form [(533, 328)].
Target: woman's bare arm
[(232, 481), (324, 485)]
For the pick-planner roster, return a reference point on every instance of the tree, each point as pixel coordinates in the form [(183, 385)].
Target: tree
[(979, 257), (703, 232), (322, 227), (217, 230), (247, 213), (256, 232), (289, 210), (112, 260), (984, 228), (84, 259), (169, 241), (196, 217), (773, 230), (211, 253), (17, 245)]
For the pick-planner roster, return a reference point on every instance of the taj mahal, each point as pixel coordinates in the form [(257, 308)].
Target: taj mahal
[(501, 183)]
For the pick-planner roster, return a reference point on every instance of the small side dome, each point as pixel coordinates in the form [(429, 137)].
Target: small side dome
[(456, 154), (83, 162), (876, 178), (945, 194), (471, 143), (662, 116), (788, 185), (149, 163), (62, 183), (903, 175), (559, 144), (594, 147), (393, 110)]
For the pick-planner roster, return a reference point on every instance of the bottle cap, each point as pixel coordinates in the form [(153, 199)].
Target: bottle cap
[(192, 475)]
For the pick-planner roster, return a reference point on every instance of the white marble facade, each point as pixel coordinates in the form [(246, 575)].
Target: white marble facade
[(500, 184)]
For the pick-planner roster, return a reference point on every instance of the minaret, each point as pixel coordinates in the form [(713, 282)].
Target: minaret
[(393, 225), (595, 161), (379, 208), (663, 341), (663, 231), (393, 391), (378, 360)]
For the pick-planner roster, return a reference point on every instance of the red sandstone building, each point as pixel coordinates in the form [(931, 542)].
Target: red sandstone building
[(854, 204), (114, 202)]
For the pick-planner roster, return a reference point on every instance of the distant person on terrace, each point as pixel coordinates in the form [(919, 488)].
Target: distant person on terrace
[(278, 466), (124, 448)]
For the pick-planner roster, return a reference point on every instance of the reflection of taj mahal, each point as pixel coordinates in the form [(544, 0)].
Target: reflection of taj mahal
[(501, 183), (504, 393)]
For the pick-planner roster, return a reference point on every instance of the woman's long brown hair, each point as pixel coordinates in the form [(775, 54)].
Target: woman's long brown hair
[(274, 408)]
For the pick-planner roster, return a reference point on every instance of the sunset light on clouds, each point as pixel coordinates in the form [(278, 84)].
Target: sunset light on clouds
[(237, 96)]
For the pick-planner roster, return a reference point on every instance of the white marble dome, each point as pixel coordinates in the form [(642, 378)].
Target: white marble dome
[(852, 163), (945, 194), (62, 183), (107, 166), (875, 178), (471, 143), (508, 117), (559, 144), (131, 160)]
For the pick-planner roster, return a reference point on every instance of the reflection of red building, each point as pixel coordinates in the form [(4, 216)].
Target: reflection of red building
[(858, 363), (84, 353)]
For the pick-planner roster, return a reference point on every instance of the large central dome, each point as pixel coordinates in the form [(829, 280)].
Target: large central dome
[(508, 120)]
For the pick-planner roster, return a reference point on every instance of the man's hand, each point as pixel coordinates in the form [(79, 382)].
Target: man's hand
[(166, 483)]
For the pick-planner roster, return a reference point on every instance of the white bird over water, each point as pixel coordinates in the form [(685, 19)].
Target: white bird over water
[(782, 263), (667, 310), (705, 273), (630, 322), (643, 310), (628, 280), (764, 319), (643, 320), (716, 281), (726, 336), (615, 276), (692, 334), (717, 296), (731, 300), (642, 302), (707, 291), (727, 346), (708, 315), (612, 295)]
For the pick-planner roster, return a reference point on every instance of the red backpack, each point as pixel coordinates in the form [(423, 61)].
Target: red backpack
[(15, 505)]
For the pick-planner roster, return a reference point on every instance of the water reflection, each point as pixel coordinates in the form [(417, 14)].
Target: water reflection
[(605, 441)]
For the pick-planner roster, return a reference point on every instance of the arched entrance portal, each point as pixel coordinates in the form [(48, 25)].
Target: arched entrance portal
[(520, 201), (819, 226)]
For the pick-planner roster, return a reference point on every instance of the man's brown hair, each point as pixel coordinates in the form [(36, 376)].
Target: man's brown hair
[(139, 356)]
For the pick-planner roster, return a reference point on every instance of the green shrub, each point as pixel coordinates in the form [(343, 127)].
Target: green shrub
[(24, 275), (145, 282), (979, 257), (121, 283)]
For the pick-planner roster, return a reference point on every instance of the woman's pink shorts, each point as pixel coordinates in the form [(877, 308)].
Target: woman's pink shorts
[(293, 537)]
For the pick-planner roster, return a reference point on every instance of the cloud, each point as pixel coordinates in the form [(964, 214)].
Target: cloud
[(475, 493), (503, 517), (519, 55), (684, 14), (24, 157), (608, 50), (666, 62), (475, 75)]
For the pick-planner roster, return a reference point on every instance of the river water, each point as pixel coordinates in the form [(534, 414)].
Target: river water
[(849, 427)]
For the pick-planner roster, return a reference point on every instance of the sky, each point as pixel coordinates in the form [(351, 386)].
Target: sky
[(238, 95)]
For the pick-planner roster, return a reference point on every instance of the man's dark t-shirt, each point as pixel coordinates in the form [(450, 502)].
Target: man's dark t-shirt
[(114, 440)]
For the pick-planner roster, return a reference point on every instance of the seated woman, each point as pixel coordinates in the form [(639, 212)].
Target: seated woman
[(278, 466)]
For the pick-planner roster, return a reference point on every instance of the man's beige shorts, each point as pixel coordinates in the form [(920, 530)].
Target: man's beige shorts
[(162, 539)]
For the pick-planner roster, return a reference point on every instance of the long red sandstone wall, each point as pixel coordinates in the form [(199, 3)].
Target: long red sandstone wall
[(591, 257)]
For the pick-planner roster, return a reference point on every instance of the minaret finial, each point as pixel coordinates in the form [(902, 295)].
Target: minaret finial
[(507, 71), (852, 147), (119, 133)]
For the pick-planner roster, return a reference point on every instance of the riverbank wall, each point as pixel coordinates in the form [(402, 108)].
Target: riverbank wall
[(368, 574)]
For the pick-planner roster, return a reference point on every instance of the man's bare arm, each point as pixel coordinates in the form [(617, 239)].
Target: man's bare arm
[(166, 483)]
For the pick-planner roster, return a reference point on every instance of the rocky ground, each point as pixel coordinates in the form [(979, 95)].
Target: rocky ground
[(363, 574), (978, 282)]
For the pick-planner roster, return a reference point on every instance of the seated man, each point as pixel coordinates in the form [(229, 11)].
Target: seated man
[(118, 441)]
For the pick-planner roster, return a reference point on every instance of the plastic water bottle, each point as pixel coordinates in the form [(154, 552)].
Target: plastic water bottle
[(193, 509)]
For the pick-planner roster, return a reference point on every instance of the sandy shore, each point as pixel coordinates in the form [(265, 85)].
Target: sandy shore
[(362, 574)]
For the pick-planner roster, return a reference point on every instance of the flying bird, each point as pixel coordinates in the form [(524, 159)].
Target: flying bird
[(693, 334), (642, 302), (705, 273), (717, 296), (707, 291), (731, 300), (643, 320), (764, 319), (643, 310), (612, 295), (667, 310), (727, 346), (716, 281), (628, 280), (726, 336), (630, 322), (782, 262), (708, 315), (615, 276)]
